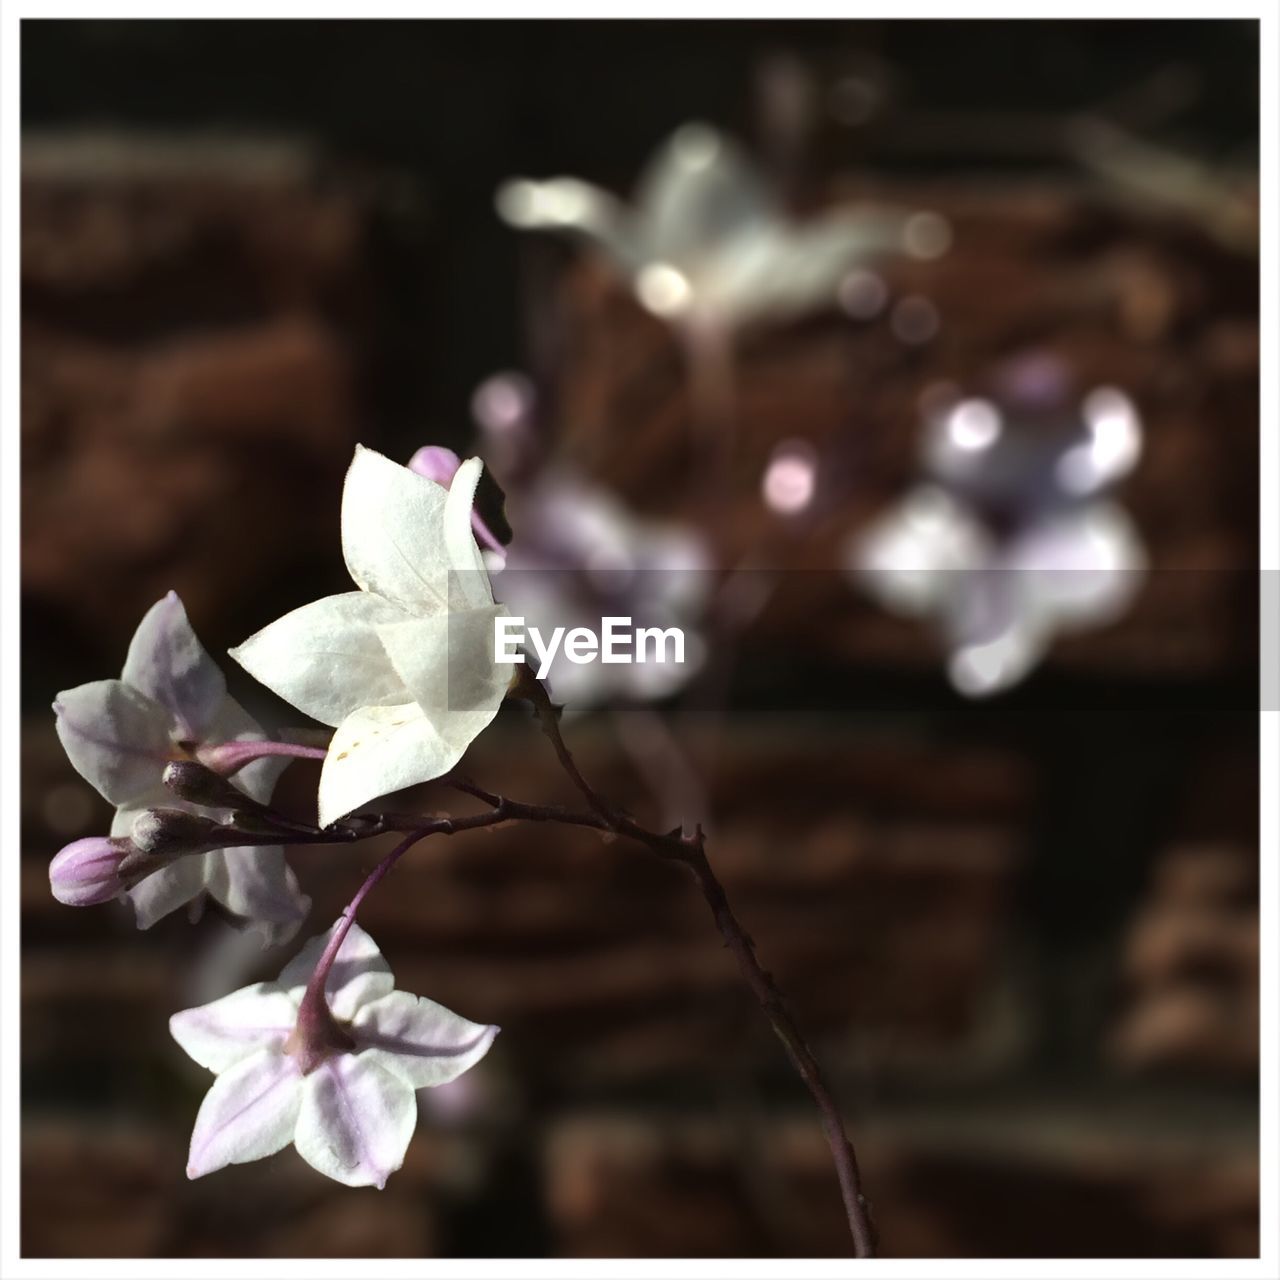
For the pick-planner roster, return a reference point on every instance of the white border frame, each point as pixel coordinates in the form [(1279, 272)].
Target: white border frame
[(11, 1265)]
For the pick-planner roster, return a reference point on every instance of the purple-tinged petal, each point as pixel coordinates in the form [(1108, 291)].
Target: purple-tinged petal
[(249, 1113), (420, 1040), (359, 975), (355, 1121), (258, 884), (1080, 567), (168, 889), (87, 872), (116, 738), (169, 665), (226, 1031)]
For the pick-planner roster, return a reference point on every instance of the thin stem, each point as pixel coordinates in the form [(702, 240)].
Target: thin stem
[(690, 850), (316, 1029), (709, 349), (315, 987), (528, 686), (709, 354), (228, 757), (856, 1205)]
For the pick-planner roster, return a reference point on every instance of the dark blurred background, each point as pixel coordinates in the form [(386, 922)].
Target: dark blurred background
[(1022, 934)]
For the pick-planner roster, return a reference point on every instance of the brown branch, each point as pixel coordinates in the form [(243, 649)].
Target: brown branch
[(856, 1205), (690, 850)]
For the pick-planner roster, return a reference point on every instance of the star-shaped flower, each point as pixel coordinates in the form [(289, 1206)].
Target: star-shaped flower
[(704, 241), (404, 667), (352, 1114), (170, 702), (1011, 540)]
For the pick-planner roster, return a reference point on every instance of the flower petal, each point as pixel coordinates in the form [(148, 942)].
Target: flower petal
[(257, 883), (356, 1120), (447, 664), (574, 206), (220, 1034), (391, 533), (157, 796), (251, 1111), (697, 190), (996, 630), (116, 738), (169, 665), (378, 750), (359, 975), (168, 889), (916, 557), (422, 1041), (468, 579), (781, 271), (325, 658), (1081, 567)]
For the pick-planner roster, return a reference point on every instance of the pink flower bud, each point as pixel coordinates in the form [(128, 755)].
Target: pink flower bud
[(87, 871), (436, 463)]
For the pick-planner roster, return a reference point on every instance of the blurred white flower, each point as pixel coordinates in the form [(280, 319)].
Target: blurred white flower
[(1008, 541), (348, 1108), (404, 667), (579, 556), (171, 703), (704, 242)]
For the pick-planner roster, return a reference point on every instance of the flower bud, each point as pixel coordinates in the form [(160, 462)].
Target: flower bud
[(87, 872), (189, 780), (169, 833), (436, 463)]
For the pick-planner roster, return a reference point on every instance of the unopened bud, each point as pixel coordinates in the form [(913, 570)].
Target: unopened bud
[(87, 872), (436, 463), (194, 782), (169, 833)]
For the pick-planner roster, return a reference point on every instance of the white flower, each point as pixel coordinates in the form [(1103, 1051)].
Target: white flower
[(170, 701), (580, 557), (352, 1115), (705, 242), (1011, 543), (404, 667)]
